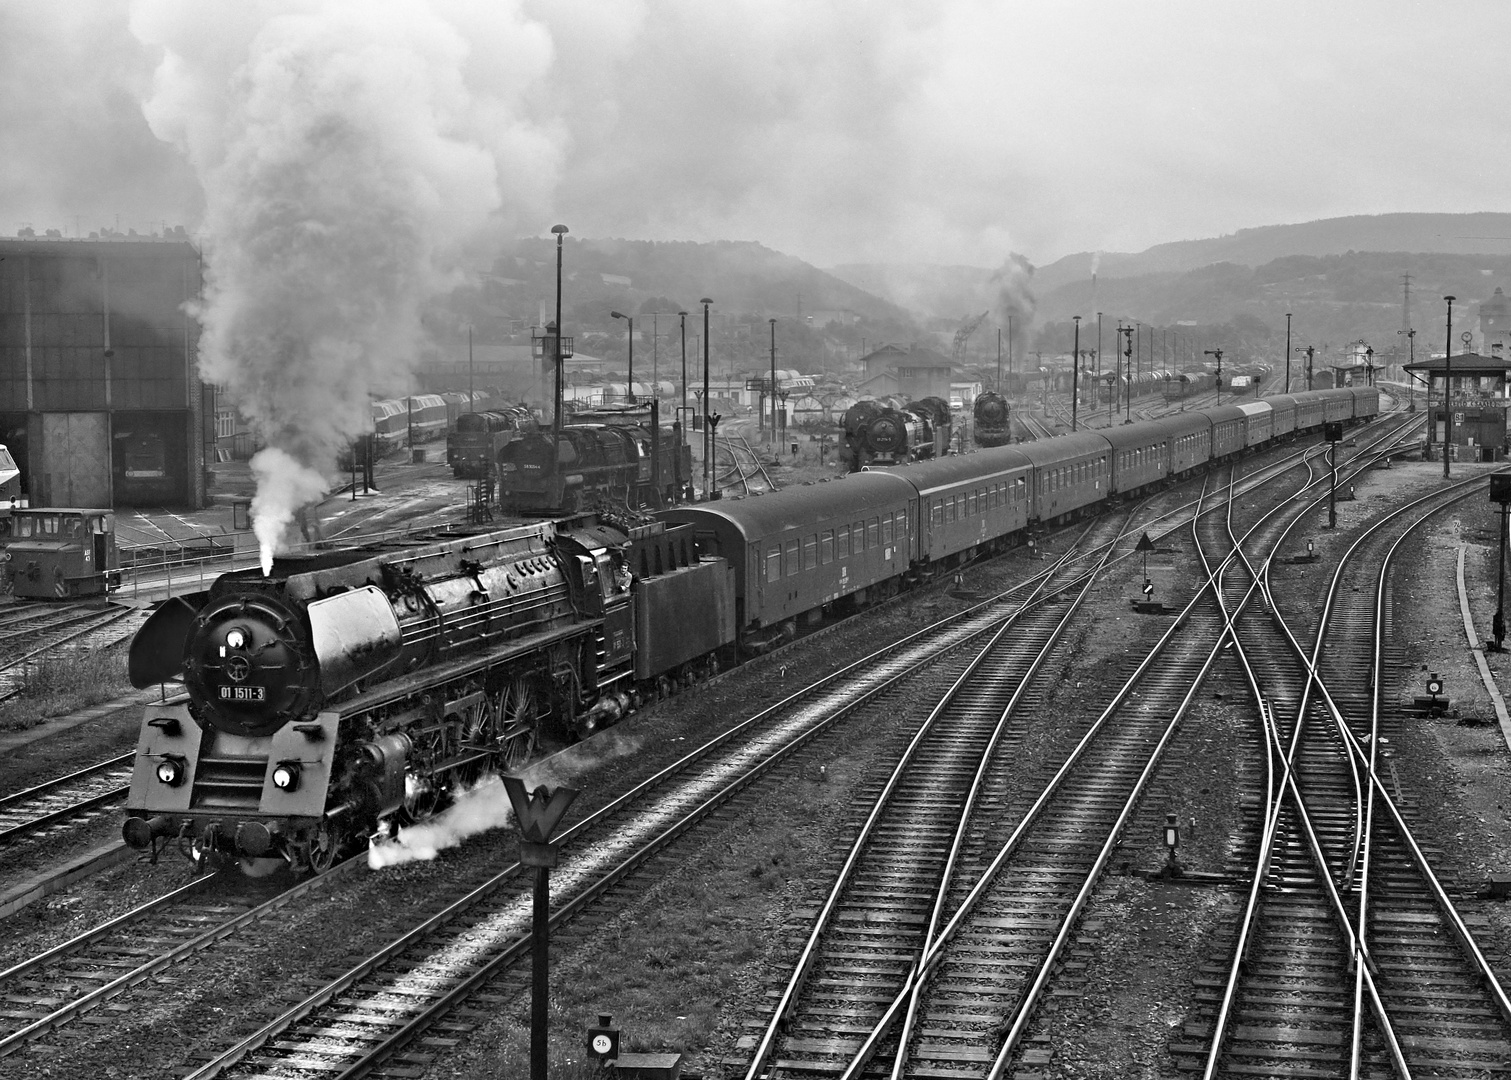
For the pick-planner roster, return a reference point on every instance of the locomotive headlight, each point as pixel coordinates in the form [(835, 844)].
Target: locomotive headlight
[(286, 775), (170, 771), (236, 638)]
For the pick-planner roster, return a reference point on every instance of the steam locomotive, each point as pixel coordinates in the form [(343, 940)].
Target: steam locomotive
[(351, 688), (882, 434), (618, 454), (993, 420), (474, 445)]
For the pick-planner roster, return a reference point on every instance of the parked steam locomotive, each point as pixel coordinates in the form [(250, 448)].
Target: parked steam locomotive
[(619, 455), (993, 420), (882, 434), (356, 686), (351, 687), (475, 443)]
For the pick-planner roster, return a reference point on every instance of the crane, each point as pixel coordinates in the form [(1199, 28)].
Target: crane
[(967, 328)]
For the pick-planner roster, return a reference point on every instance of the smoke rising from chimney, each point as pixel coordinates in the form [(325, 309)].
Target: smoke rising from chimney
[(346, 165), (1013, 282)]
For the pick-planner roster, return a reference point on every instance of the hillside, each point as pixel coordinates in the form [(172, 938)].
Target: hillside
[(1446, 234)]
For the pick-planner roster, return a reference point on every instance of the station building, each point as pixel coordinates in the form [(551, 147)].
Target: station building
[(1473, 390), (100, 397)]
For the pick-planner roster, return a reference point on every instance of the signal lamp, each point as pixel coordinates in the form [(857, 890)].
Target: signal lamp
[(286, 775), (170, 771), (236, 638)]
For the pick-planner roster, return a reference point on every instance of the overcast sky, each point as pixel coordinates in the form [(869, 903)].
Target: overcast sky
[(948, 131)]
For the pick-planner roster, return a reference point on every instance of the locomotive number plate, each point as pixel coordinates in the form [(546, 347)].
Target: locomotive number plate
[(243, 693)]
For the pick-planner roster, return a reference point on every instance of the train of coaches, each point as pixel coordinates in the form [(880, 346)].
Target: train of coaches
[(352, 690)]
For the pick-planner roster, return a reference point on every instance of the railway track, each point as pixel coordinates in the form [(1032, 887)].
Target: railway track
[(1350, 953), (440, 957), (56, 987), (745, 473), (34, 633), (701, 782), (64, 799), (977, 980)]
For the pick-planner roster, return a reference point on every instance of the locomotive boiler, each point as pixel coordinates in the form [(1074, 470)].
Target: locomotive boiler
[(356, 687), (993, 416)]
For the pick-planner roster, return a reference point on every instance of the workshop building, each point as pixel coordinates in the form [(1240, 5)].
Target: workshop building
[(100, 397)]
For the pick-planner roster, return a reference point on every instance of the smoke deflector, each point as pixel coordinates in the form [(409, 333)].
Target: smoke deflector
[(355, 634)]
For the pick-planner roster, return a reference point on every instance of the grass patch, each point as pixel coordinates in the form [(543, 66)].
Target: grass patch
[(61, 683)]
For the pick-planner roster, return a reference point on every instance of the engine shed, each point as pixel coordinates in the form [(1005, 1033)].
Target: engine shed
[(100, 398)]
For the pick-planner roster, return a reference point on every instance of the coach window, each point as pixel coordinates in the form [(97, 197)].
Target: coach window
[(886, 529), (826, 547), (810, 553), (858, 535), (873, 532), (842, 542), (793, 564), (936, 513), (774, 564)]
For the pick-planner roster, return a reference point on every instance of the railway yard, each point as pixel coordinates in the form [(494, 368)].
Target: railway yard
[(1026, 820)]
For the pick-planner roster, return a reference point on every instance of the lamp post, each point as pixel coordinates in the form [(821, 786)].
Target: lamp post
[(1447, 389), (556, 406), (1369, 365), (683, 316), (1075, 374), (708, 453), (1098, 353), (1287, 352), (999, 360), (1217, 353), (629, 382), (1309, 350), (1127, 332), (773, 381)]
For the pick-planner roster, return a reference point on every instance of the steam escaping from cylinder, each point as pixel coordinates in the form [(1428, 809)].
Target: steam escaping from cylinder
[(346, 162), (476, 810)]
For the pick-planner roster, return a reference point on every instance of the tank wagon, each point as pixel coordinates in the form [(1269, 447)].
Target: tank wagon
[(347, 689)]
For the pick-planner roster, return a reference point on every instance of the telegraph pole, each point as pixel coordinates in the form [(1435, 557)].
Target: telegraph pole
[(1447, 389), (1075, 375)]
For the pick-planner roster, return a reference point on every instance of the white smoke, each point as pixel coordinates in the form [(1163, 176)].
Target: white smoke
[(283, 486), (347, 163), (475, 811)]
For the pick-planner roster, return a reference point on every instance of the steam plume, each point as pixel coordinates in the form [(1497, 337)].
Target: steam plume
[(1015, 296), (476, 810), (335, 145)]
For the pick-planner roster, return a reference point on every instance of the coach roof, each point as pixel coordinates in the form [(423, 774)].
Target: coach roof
[(805, 505)]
